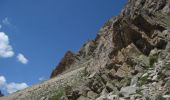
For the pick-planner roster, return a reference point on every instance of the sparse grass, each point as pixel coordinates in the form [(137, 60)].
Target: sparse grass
[(85, 72), (152, 60), (143, 80), (160, 98), (167, 67), (58, 95), (148, 98), (161, 75), (139, 91)]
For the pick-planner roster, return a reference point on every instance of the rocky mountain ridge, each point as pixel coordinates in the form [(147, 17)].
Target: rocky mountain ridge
[(128, 60)]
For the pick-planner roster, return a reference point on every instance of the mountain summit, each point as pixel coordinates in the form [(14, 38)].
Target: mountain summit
[(128, 60)]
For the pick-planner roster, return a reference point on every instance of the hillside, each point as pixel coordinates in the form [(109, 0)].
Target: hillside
[(128, 60)]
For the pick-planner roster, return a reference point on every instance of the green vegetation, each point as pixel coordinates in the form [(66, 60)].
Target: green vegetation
[(143, 80), (147, 98), (167, 67), (58, 95), (139, 91), (161, 75), (160, 98), (152, 60)]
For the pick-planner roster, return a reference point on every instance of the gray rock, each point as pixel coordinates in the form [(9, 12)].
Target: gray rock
[(112, 97), (110, 87), (92, 94), (134, 81), (123, 71), (127, 91), (167, 73), (83, 98), (167, 97)]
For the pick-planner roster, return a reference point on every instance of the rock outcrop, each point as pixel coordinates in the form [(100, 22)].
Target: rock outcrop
[(128, 60), (68, 60)]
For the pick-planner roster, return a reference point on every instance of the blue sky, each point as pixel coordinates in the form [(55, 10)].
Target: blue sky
[(35, 34)]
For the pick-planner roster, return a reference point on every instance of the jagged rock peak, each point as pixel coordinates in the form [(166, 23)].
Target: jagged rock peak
[(68, 59)]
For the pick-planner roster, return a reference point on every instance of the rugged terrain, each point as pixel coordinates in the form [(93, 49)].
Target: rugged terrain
[(128, 60)]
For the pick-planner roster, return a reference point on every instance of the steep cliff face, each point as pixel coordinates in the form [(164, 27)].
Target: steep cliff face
[(129, 59), (143, 23)]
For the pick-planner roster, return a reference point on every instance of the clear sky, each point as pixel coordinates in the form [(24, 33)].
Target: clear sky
[(35, 34)]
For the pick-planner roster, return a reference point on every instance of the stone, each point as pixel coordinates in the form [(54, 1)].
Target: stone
[(109, 87), (153, 52), (145, 74), (112, 73), (110, 96), (134, 81), (102, 97), (121, 57), (143, 61), (167, 97), (167, 73), (122, 99), (123, 71), (43, 98), (125, 82), (96, 84), (131, 51), (104, 92), (155, 77), (92, 94), (92, 75), (105, 78), (139, 68), (127, 91), (83, 98)]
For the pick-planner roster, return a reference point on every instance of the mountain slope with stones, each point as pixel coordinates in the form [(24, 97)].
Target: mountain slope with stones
[(128, 60)]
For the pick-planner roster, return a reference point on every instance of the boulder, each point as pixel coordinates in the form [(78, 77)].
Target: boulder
[(123, 71), (127, 91), (111, 88), (91, 94)]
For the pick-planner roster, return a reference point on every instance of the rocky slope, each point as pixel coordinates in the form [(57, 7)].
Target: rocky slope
[(128, 60)]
